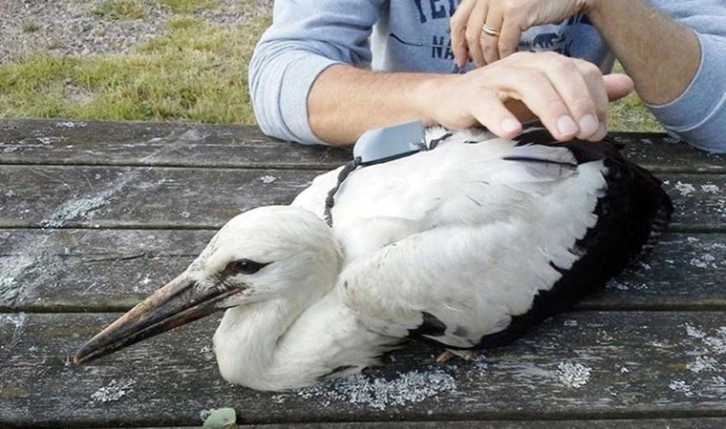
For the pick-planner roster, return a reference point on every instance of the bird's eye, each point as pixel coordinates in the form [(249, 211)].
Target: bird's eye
[(244, 266)]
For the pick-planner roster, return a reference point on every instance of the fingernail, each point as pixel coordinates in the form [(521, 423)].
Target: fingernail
[(602, 131), (588, 124), (510, 125), (566, 125)]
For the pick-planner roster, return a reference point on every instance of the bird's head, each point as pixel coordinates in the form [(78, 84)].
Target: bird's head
[(265, 253)]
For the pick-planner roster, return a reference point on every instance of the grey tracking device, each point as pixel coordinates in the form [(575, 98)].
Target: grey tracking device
[(389, 143)]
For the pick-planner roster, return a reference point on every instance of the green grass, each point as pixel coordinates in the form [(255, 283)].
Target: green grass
[(630, 114), (189, 6), (194, 72), (114, 10)]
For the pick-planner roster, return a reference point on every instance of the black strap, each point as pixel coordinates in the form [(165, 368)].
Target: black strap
[(435, 142), (330, 200)]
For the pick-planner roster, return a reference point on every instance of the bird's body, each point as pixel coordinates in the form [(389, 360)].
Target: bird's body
[(468, 245)]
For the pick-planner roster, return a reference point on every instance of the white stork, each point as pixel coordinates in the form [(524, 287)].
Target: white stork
[(467, 244)]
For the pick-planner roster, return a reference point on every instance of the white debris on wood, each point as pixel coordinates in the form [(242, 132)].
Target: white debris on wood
[(617, 284), (717, 344), (82, 207), (710, 189), (70, 124), (31, 251), (570, 323), (192, 135), (694, 332), (268, 179), (704, 261), (114, 391), (11, 269), (703, 363), (680, 386), (378, 393), (709, 349), (479, 364), (18, 320), (206, 413), (45, 140), (719, 382), (685, 189), (573, 375)]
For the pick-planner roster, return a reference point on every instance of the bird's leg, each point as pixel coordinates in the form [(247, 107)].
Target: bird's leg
[(467, 355)]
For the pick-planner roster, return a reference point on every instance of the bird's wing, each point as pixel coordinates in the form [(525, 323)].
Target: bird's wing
[(453, 242), (460, 282), (455, 183)]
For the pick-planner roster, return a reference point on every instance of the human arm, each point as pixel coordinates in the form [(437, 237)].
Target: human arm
[(306, 38), (309, 82), (500, 97)]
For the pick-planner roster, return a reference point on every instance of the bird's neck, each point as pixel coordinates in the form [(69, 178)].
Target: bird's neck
[(246, 340), (278, 344)]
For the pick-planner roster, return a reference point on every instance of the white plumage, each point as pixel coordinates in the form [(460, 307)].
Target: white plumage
[(449, 243)]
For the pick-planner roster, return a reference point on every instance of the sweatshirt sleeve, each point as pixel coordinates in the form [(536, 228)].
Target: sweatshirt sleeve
[(698, 116), (305, 38)]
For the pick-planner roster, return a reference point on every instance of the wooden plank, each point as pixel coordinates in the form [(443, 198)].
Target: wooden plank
[(31, 141), (587, 365), (662, 153), (111, 270), (133, 197), (699, 200), (706, 423), (694, 423), (139, 197), (54, 142)]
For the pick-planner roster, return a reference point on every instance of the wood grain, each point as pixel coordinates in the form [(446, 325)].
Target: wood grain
[(49, 142), (30, 142), (583, 365), (111, 270), (95, 215), (712, 423), (144, 197)]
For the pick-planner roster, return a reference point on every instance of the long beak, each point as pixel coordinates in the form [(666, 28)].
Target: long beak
[(178, 302)]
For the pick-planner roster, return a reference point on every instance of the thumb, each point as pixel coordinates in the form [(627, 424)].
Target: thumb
[(618, 85)]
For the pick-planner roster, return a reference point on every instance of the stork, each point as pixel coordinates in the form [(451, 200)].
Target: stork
[(469, 245)]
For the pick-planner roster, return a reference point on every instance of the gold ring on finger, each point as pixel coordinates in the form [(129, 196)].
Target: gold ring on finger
[(489, 31)]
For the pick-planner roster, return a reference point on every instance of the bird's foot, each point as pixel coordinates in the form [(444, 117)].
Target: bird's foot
[(448, 354)]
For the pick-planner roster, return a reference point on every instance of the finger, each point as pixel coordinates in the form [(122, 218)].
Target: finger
[(490, 111), (489, 43), (535, 90), (581, 88), (474, 30), (596, 86), (509, 38), (458, 27), (618, 85)]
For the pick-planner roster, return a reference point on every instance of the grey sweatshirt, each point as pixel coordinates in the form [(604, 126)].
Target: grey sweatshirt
[(308, 36)]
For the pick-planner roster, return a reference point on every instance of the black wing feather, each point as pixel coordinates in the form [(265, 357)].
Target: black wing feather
[(631, 215)]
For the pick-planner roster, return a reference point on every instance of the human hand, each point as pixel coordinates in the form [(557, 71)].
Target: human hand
[(508, 18), (568, 95)]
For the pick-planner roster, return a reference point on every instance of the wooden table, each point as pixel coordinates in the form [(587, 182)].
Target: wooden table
[(95, 215)]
